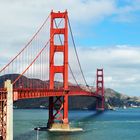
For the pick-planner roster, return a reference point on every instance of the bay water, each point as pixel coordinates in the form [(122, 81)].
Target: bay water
[(122, 124)]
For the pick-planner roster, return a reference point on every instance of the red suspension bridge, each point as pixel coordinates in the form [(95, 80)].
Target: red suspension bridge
[(37, 62)]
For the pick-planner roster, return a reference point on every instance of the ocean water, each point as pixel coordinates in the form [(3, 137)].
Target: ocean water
[(109, 125)]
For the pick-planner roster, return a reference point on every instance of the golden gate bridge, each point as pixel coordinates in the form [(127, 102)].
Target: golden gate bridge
[(32, 61)]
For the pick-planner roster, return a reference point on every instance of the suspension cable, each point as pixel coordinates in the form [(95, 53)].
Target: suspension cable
[(76, 53), (35, 58), (68, 63), (73, 75), (29, 42), (94, 81), (31, 63)]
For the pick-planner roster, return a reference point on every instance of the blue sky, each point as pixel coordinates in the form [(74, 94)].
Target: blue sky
[(110, 33), (115, 29), (106, 33)]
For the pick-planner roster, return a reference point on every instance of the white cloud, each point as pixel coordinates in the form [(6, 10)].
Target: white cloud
[(121, 66), (126, 13), (19, 20)]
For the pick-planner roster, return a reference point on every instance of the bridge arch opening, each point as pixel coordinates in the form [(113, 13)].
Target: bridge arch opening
[(58, 78), (59, 22), (59, 39), (59, 59)]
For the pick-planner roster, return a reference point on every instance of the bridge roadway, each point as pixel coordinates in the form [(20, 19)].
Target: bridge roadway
[(28, 93)]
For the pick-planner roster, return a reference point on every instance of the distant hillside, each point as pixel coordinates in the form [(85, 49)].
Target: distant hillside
[(116, 99), (112, 98)]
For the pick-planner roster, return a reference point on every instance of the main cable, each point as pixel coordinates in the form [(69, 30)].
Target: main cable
[(77, 53), (29, 42), (40, 52)]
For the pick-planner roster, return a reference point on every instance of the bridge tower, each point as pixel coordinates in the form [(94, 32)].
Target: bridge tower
[(100, 90), (58, 106)]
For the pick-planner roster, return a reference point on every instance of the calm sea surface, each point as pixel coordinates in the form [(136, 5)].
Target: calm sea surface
[(110, 125)]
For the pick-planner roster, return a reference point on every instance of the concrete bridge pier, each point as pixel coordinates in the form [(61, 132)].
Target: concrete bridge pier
[(9, 126)]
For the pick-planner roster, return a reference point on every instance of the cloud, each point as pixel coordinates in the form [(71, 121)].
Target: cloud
[(127, 13), (121, 63), (24, 13), (20, 19), (121, 66)]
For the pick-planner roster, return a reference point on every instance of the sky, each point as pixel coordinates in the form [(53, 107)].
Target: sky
[(106, 33)]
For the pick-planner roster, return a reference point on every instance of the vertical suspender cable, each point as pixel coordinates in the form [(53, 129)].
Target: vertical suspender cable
[(26, 44)]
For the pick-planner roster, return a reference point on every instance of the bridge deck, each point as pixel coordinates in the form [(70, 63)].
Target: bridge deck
[(27, 93)]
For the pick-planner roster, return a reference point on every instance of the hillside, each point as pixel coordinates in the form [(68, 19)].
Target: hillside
[(112, 98), (116, 99)]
